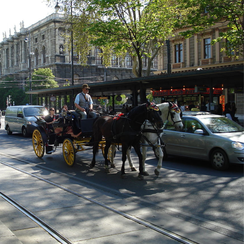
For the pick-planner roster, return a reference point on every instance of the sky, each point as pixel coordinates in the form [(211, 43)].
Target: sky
[(12, 12)]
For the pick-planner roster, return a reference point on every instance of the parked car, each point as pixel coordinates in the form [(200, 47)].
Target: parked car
[(209, 137), (22, 118)]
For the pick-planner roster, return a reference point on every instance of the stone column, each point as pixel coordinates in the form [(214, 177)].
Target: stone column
[(217, 47), (188, 52), (195, 50)]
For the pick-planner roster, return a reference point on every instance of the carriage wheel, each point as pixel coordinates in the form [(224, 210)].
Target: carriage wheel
[(69, 152), (38, 143)]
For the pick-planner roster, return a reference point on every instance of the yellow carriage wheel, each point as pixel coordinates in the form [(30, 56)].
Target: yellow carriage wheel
[(38, 143), (69, 152)]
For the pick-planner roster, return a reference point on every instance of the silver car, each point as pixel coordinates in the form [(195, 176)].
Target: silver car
[(207, 137)]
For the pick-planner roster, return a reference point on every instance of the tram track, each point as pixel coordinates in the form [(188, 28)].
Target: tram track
[(147, 224), (60, 238), (37, 220)]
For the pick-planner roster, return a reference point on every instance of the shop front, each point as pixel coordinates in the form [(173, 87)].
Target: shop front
[(193, 98)]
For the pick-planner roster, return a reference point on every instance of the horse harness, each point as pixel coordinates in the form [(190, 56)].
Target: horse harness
[(116, 135), (172, 106), (154, 130)]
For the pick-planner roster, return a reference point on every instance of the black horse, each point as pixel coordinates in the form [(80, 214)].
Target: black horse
[(125, 130)]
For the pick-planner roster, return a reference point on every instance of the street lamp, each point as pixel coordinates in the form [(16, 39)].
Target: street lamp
[(27, 40)]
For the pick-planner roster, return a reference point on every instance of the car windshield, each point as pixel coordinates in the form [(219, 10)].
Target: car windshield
[(34, 111), (221, 125)]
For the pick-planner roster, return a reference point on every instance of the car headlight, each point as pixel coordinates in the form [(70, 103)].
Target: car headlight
[(237, 145), (31, 122)]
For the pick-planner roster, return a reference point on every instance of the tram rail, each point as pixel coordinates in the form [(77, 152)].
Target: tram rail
[(37, 220), (60, 238)]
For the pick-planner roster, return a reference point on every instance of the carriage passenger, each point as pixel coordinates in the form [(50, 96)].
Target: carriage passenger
[(84, 103), (64, 111), (51, 117)]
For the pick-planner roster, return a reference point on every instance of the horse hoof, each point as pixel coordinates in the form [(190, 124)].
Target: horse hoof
[(123, 176), (133, 169), (145, 173), (156, 172), (91, 166), (107, 170), (140, 177)]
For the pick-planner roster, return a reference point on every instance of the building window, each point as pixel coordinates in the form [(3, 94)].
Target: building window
[(36, 57), (43, 55), (229, 48), (128, 61), (98, 56), (178, 53), (36, 40), (25, 52), (61, 49), (43, 37), (17, 54), (114, 61), (207, 48), (155, 62)]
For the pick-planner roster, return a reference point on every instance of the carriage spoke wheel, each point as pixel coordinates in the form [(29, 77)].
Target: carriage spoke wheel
[(38, 143), (69, 152)]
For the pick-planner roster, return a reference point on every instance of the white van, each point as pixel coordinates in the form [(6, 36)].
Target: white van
[(22, 119)]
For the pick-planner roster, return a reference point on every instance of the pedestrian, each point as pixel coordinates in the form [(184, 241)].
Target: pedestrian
[(84, 103), (228, 110), (203, 107)]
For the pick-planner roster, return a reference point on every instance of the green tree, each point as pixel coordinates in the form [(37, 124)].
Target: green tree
[(206, 13), (43, 78), (11, 87), (120, 27)]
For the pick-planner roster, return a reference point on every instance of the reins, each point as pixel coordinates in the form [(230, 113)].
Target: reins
[(156, 131)]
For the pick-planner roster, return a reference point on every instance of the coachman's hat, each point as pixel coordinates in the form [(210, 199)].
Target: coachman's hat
[(85, 86)]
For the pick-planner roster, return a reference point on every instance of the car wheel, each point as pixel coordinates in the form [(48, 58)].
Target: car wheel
[(24, 132), (9, 132), (219, 160)]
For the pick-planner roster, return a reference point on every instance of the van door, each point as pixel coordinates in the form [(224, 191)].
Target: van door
[(20, 120), (11, 118)]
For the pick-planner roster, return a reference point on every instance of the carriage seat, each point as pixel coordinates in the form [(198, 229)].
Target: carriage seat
[(83, 125)]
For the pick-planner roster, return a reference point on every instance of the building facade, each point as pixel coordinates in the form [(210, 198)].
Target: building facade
[(195, 54), (44, 45)]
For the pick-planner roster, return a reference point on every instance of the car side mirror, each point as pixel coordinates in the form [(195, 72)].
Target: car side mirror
[(199, 131)]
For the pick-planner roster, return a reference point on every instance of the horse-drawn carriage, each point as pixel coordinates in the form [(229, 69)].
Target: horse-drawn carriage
[(69, 130), (107, 131)]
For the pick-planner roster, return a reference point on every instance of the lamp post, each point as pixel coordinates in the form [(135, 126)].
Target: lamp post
[(57, 8), (27, 40)]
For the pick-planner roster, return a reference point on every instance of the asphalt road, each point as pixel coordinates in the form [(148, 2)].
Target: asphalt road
[(187, 189)]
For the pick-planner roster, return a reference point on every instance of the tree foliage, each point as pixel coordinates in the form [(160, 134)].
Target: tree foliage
[(206, 13), (43, 78), (120, 27)]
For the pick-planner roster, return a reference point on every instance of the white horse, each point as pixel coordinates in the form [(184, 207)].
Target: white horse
[(151, 137)]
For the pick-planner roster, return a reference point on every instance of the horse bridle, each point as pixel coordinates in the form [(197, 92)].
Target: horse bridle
[(174, 107)]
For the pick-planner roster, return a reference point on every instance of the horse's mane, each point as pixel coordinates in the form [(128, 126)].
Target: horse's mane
[(137, 110)]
